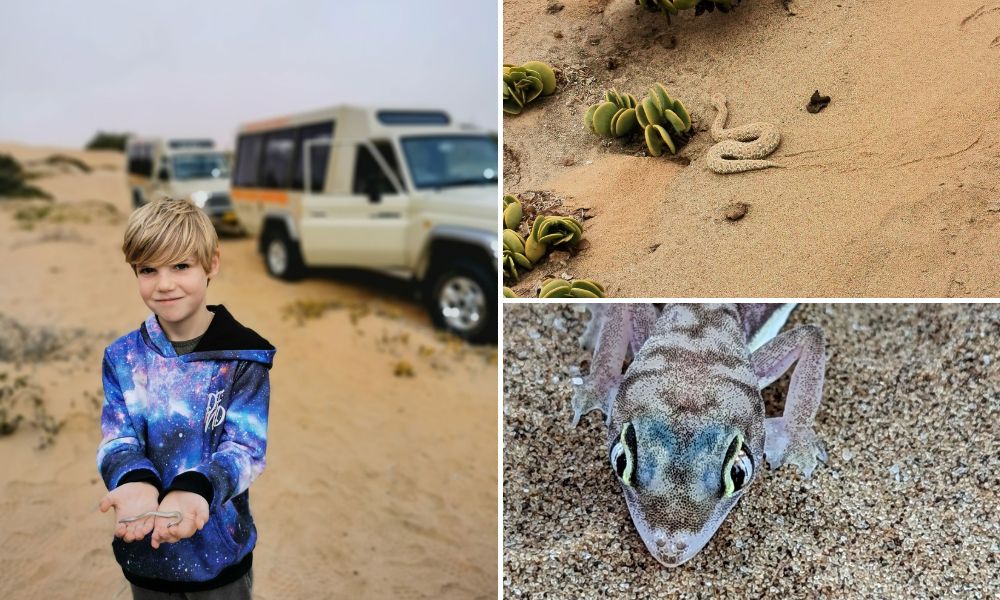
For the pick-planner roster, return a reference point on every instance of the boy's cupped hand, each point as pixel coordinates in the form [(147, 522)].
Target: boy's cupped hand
[(194, 514), (129, 500)]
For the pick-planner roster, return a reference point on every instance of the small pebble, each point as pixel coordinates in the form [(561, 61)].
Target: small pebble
[(735, 212)]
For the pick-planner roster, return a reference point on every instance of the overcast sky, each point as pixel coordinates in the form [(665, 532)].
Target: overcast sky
[(200, 68)]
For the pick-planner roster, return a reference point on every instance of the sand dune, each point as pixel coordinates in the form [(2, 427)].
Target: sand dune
[(892, 190), (376, 485)]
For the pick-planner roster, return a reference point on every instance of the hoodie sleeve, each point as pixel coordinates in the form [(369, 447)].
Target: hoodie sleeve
[(121, 456), (239, 459)]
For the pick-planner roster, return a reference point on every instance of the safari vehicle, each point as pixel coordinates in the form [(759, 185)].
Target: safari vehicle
[(182, 168), (404, 192)]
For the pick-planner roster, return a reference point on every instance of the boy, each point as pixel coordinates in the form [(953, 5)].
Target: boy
[(185, 418)]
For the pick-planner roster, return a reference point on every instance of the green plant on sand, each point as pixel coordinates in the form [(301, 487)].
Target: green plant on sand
[(548, 231), (12, 180), (522, 84), (108, 141), (577, 288), (512, 212), (672, 7), (614, 117), (665, 122), (513, 254)]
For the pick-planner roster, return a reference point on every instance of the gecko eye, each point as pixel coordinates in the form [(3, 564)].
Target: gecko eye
[(623, 455), (737, 470)]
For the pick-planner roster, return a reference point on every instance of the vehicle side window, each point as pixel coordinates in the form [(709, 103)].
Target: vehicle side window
[(279, 149), (140, 160), (368, 175), (248, 151), (319, 155), (385, 148)]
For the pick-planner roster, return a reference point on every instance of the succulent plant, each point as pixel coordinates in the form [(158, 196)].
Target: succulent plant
[(613, 117), (577, 288), (513, 254), (548, 230), (672, 7), (508, 293), (545, 72), (522, 84), (512, 212), (665, 122)]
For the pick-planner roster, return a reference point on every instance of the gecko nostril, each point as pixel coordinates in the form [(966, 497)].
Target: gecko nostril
[(681, 545), (661, 540)]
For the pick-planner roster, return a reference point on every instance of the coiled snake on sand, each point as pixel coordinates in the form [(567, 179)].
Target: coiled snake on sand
[(741, 148)]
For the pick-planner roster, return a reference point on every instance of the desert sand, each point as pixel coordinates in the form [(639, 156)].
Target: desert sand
[(904, 508), (376, 485), (893, 190)]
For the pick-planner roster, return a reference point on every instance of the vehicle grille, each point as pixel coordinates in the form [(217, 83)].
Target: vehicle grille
[(218, 200)]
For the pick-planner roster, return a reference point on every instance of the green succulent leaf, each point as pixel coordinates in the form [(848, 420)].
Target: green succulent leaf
[(603, 116), (657, 139)]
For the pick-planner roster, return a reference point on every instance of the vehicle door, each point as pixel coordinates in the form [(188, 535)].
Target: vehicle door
[(368, 225)]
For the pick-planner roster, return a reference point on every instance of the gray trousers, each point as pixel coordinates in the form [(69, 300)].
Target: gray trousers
[(241, 589)]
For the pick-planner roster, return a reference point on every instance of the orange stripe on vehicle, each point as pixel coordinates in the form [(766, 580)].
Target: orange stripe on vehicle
[(268, 124), (258, 195)]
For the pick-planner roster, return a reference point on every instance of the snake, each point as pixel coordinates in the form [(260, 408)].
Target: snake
[(155, 513), (741, 148)]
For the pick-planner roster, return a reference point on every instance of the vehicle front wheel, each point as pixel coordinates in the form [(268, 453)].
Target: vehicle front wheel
[(282, 255), (463, 300)]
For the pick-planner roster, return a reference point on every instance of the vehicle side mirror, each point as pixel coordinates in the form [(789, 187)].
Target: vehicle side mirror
[(163, 175)]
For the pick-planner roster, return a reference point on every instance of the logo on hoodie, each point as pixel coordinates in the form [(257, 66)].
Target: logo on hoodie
[(215, 414)]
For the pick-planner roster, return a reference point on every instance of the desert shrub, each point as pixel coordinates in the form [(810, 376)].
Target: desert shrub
[(107, 141), (61, 159), (31, 213), (13, 178), (24, 344), (17, 392)]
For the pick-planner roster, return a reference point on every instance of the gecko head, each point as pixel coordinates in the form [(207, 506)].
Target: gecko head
[(680, 481)]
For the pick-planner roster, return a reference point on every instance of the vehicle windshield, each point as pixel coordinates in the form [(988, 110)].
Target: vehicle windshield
[(448, 161), (199, 166)]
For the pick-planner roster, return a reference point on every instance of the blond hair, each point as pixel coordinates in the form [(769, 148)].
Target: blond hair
[(168, 231)]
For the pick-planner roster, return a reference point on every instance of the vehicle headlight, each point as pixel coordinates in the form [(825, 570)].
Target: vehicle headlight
[(200, 198)]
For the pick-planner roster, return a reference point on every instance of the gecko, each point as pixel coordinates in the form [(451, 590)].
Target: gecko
[(687, 433)]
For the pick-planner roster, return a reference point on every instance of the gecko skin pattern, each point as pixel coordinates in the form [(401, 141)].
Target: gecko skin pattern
[(686, 425), (741, 148)]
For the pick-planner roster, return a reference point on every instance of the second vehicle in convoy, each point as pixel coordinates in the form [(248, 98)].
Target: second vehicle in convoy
[(182, 168)]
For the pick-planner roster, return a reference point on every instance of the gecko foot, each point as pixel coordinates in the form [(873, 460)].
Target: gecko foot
[(588, 397), (800, 447)]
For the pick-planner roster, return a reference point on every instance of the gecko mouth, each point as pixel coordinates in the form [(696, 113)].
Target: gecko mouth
[(671, 552), (672, 560)]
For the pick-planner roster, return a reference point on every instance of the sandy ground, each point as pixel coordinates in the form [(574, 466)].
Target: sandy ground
[(905, 507), (376, 485), (893, 190)]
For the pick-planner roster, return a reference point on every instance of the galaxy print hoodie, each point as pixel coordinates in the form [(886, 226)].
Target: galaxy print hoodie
[(197, 423)]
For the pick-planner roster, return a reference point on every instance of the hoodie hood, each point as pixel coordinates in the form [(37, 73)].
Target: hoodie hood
[(225, 339)]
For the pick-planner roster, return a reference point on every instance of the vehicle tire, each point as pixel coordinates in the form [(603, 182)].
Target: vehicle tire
[(282, 256), (137, 199), (462, 298)]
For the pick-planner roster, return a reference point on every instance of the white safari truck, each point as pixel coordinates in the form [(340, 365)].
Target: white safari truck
[(400, 191), (181, 168)]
